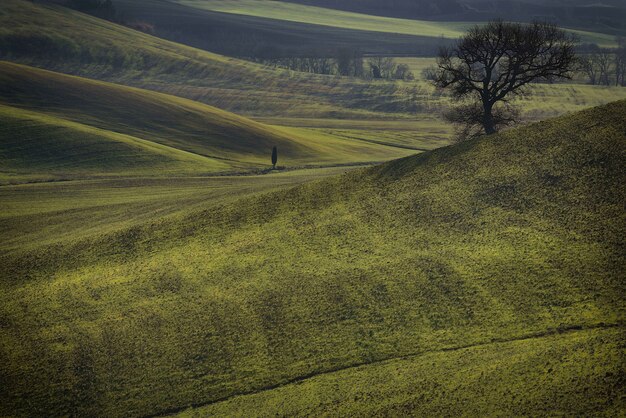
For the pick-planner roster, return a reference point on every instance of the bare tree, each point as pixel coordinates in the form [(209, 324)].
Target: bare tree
[(349, 62), (494, 62), (403, 72), (469, 119), (604, 60), (601, 65), (430, 73), (382, 67), (589, 66), (619, 65)]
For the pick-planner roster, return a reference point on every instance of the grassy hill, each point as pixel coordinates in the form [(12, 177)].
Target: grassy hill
[(607, 16), (66, 41), (247, 35), (292, 12), (36, 146), (40, 213), (59, 125), (479, 278), (62, 40)]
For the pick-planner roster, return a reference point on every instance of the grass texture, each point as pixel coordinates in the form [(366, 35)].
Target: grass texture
[(59, 126), (454, 280)]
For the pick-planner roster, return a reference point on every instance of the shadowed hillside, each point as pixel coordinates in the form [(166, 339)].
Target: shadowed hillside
[(290, 12), (34, 146), (251, 36), (66, 41), (606, 16), (451, 258)]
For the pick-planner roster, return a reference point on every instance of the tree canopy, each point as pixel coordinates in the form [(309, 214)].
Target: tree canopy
[(493, 62)]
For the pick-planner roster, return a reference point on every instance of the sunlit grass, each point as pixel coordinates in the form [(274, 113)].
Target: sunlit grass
[(349, 20), (493, 379), (498, 239), (42, 213), (79, 128)]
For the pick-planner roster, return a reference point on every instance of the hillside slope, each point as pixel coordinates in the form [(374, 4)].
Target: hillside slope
[(462, 252), (290, 12), (66, 41), (36, 146), (246, 35), (49, 118), (606, 16)]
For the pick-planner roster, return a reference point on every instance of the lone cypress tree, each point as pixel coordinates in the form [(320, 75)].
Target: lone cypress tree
[(274, 157)]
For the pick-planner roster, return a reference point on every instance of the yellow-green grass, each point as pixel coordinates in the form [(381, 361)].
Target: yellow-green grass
[(540, 100), (37, 146), (37, 214), (417, 64), (564, 374), (421, 133), (58, 126), (168, 120), (420, 139), (60, 39), (504, 238), (356, 21)]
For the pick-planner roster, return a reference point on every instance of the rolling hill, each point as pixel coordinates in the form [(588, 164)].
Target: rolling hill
[(65, 41), (70, 42), (606, 16), (34, 146), (332, 17), (247, 35), (59, 125), (471, 272)]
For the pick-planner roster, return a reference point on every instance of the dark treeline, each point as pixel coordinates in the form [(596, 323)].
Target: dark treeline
[(343, 62), (604, 66), (103, 9)]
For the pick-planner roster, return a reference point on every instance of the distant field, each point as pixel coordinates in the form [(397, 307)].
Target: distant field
[(328, 17), (47, 37), (246, 35), (62, 40), (608, 16), (59, 126), (356, 21)]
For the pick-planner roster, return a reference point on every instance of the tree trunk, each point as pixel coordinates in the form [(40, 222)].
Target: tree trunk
[(488, 123)]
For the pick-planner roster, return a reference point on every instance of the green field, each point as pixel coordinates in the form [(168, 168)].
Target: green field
[(61, 40), (486, 379), (356, 21), (59, 127), (42, 213), (329, 17), (153, 264), (499, 259)]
